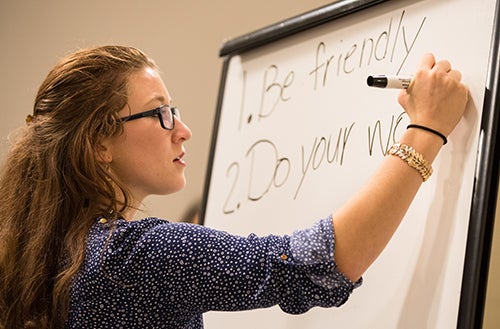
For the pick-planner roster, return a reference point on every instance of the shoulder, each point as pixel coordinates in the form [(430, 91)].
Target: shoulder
[(123, 236), (127, 253)]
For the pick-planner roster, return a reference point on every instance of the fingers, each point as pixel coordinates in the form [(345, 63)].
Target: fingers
[(427, 61), (443, 65), (454, 74)]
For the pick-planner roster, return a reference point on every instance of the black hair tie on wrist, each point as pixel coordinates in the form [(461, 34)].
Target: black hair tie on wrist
[(443, 137)]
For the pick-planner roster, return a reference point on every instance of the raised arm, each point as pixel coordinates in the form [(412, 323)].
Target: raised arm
[(435, 99)]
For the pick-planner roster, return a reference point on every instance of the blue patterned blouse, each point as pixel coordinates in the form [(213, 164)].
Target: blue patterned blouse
[(156, 274)]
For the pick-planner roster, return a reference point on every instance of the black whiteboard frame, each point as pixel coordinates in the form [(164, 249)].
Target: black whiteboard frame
[(484, 197)]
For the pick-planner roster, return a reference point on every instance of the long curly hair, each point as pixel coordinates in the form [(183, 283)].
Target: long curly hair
[(53, 187)]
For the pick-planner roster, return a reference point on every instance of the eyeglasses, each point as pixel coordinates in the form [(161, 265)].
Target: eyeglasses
[(164, 113)]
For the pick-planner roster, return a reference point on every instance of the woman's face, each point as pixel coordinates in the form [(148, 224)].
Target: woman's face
[(146, 157)]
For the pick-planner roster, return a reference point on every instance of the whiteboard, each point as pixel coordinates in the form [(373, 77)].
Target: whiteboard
[(298, 132)]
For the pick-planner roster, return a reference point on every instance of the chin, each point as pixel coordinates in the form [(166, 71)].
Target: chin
[(175, 188)]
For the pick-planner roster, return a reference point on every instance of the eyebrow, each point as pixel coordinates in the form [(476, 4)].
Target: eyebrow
[(159, 98)]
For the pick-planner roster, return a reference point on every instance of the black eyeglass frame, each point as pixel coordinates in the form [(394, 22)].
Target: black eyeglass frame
[(158, 113)]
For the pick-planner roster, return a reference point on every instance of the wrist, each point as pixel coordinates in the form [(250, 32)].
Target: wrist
[(424, 142), (429, 130)]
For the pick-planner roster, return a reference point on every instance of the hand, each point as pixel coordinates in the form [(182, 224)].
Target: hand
[(435, 98)]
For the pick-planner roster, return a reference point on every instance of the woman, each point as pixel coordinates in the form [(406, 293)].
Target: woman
[(103, 136)]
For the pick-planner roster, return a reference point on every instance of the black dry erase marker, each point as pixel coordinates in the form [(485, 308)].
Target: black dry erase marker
[(386, 81)]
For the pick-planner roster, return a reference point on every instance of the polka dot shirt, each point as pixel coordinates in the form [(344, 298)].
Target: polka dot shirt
[(156, 274)]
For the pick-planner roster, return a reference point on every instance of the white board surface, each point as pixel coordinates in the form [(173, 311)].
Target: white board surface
[(299, 132)]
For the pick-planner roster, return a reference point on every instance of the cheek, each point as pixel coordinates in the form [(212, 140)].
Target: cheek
[(133, 154), (142, 142), (148, 155), (144, 161)]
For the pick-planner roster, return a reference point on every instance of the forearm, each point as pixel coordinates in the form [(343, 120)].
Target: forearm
[(364, 226)]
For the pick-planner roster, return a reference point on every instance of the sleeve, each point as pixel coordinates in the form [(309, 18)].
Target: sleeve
[(316, 246), (204, 269)]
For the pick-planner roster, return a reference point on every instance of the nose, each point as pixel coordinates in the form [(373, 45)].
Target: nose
[(181, 131)]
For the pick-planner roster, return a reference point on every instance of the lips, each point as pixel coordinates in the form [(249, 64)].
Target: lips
[(180, 160)]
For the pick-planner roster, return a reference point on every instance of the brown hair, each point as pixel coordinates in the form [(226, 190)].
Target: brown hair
[(53, 188)]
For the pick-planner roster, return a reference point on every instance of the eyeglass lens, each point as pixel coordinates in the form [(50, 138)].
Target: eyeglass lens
[(167, 114)]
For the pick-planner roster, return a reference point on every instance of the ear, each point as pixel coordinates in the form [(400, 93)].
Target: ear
[(103, 151)]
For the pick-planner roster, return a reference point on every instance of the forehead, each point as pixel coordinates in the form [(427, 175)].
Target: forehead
[(146, 88)]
